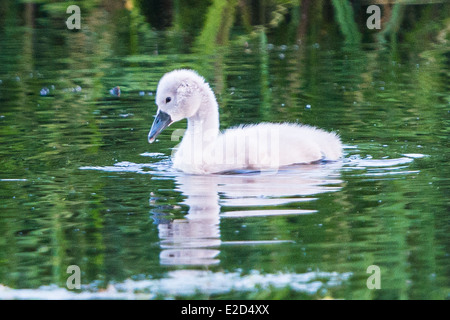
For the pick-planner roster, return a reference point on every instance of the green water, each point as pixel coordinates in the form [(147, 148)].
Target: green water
[(80, 185)]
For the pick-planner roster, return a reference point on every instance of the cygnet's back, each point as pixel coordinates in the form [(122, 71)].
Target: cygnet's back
[(274, 145), (257, 147)]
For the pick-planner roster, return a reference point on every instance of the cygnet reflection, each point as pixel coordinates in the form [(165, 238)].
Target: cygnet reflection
[(195, 239)]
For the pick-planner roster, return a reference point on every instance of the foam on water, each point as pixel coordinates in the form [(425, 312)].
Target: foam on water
[(187, 283)]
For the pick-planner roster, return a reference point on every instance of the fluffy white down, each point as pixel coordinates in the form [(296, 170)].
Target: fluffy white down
[(265, 146)]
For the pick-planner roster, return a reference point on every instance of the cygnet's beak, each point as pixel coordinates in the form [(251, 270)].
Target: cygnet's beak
[(161, 122)]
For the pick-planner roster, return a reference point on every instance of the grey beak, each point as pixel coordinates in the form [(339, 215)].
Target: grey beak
[(161, 122)]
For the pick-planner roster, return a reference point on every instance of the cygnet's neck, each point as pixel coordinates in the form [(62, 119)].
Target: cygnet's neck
[(204, 124)]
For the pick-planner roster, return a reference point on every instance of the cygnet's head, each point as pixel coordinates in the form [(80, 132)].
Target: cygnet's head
[(178, 96)]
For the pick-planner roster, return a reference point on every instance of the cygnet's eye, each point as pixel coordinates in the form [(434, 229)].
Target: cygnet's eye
[(168, 99)]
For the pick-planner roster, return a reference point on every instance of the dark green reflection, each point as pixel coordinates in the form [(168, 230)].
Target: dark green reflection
[(385, 92)]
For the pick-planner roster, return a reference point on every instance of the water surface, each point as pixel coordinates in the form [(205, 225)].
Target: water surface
[(80, 185)]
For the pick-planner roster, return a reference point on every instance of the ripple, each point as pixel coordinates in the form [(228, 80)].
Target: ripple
[(381, 168), (264, 213), (126, 166)]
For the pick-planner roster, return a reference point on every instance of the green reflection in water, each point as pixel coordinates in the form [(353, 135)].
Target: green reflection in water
[(305, 61)]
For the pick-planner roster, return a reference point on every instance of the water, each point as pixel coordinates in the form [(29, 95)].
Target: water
[(80, 185)]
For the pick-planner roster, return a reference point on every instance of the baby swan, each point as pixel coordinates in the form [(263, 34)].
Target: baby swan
[(204, 149)]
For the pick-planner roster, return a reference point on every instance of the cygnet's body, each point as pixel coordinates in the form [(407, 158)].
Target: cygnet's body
[(204, 149)]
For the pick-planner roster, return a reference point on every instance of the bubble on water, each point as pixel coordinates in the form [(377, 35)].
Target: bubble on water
[(283, 47), (115, 91), (44, 91), (141, 93), (308, 106), (281, 56)]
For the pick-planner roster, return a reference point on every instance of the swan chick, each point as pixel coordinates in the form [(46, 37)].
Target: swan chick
[(184, 94)]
